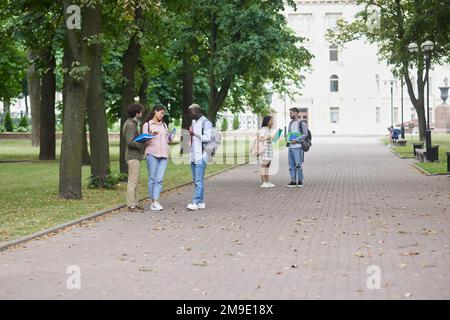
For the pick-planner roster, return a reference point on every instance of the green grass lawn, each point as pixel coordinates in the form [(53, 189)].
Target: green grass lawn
[(29, 199), (442, 140)]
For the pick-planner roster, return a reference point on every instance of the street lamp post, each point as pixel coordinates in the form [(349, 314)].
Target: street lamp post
[(392, 100), (403, 126)]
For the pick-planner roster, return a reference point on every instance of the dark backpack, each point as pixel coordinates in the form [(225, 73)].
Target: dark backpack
[(307, 143)]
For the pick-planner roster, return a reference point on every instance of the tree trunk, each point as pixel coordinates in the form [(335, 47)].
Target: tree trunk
[(34, 90), (86, 159), (96, 114), (77, 51), (47, 144), (129, 65), (143, 97), (188, 99), (6, 107)]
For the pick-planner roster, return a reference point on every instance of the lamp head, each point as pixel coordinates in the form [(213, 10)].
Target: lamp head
[(427, 46), (413, 47)]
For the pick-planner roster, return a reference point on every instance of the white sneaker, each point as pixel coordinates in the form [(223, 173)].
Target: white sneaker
[(201, 206), (265, 185), (156, 207), (192, 207)]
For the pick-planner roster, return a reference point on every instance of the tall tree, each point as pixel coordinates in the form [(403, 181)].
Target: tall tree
[(392, 25), (80, 58), (96, 108)]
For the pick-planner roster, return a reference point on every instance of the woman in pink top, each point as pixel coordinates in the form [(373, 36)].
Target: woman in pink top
[(157, 153)]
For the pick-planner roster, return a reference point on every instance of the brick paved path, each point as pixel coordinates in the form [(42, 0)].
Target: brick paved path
[(361, 206)]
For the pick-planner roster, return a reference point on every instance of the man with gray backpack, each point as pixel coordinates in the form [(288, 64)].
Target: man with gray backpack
[(299, 142), (205, 140)]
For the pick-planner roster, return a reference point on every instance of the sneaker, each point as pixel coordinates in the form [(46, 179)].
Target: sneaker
[(265, 185), (156, 207), (201, 206), (193, 207), (300, 184), (292, 184), (271, 185), (135, 209)]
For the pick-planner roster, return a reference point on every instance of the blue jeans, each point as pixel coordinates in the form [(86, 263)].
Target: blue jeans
[(296, 162), (156, 171), (198, 175)]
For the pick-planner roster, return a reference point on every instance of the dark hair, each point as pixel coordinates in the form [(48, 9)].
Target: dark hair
[(294, 110), (134, 109), (266, 121), (151, 114)]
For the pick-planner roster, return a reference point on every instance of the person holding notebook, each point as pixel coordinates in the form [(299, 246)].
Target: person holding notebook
[(156, 153), (296, 154), (133, 154), (266, 135)]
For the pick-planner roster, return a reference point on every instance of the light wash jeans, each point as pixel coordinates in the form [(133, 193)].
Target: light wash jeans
[(156, 171), (198, 175), (296, 162)]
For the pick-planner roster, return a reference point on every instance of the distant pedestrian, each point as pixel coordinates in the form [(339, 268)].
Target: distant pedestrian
[(201, 134), (133, 154), (298, 132), (156, 153), (266, 136)]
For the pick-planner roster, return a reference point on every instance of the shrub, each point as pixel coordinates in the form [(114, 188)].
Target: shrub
[(236, 123), (111, 181), (9, 126), (23, 122), (22, 129), (224, 124)]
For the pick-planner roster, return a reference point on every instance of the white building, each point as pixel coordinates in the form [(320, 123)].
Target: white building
[(348, 91)]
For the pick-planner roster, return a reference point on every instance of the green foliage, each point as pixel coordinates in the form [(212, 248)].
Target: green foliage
[(9, 126), (236, 123), (23, 122), (224, 124), (112, 180), (177, 122), (22, 129)]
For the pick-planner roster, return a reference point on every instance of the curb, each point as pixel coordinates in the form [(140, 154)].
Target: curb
[(6, 245), (426, 173)]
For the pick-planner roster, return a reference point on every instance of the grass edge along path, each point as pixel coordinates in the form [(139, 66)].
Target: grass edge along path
[(430, 168)]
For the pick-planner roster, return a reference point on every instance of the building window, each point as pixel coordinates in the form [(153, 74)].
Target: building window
[(334, 115), (331, 19), (334, 83), (377, 78), (334, 53), (378, 115), (300, 22)]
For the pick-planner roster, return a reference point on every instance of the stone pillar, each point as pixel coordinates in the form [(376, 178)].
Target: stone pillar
[(442, 112)]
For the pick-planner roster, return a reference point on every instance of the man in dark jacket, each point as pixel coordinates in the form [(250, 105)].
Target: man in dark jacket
[(133, 154)]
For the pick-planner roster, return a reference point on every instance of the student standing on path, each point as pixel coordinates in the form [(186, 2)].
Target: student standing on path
[(133, 154), (156, 153), (299, 129), (266, 136), (201, 134)]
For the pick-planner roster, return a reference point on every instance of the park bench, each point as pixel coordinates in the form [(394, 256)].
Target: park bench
[(400, 142), (421, 154)]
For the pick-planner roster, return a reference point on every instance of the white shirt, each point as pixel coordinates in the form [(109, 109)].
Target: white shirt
[(199, 138)]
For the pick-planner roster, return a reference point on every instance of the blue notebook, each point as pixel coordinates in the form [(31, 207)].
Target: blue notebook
[(143, 138)]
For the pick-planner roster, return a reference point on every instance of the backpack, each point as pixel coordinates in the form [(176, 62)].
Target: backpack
[(212, 146), (307, 143)]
